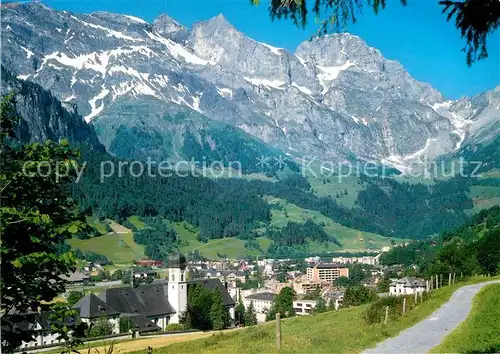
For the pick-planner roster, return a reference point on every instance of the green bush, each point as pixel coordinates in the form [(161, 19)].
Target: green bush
[(99, 328), (172, 327), (125, 324), (376, 311)]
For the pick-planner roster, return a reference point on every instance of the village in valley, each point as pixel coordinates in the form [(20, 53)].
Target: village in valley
[(153, 296)]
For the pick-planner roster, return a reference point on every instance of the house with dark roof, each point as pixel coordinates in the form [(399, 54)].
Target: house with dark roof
[(150, 307), (261, 302), (77, 278), (406, 286), (36, 323), (91, 308)]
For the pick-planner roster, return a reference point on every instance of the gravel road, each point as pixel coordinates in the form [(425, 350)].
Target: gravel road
[(428, 333)]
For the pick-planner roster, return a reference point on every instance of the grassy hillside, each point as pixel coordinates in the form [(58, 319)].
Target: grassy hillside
[(231, 247), (343, 331), (330, 186), (480, 333), (484, 197), (352, 240), (98, 224), (118, 246)]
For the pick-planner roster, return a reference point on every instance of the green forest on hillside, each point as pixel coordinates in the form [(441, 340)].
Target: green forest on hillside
[(228, 207), (473, 248)]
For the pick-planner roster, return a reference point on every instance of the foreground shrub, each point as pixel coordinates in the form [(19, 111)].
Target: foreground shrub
[(171, 327), (376, 311)]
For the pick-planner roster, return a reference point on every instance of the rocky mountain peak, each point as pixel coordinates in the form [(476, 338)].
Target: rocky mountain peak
[(333, 95), (168, 27), (119, 19)]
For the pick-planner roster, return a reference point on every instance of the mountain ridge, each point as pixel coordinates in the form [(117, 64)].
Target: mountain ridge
[(44, 117), (333, 97)]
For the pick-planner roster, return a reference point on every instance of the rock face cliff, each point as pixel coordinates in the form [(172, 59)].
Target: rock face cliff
[(334, 97), (43, 117)]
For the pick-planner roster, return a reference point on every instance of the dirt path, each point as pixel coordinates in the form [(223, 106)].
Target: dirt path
[(158, 341), (425, 335), (119, 229), (154, 342)]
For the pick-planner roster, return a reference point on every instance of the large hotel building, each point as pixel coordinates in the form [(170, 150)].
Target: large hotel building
[(327, 272)]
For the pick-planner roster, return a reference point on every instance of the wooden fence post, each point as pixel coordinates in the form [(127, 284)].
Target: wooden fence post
[(278, 332), (386, 314), (416, 297), (449, 279), (454, 277), (404, 305), (421, 297), (432, 282), (441, 281), (427, 286)]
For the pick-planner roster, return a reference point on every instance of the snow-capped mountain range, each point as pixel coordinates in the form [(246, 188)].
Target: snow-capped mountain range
[(333, 97)]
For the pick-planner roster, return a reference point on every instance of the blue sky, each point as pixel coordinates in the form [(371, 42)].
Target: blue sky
[(418, 35)]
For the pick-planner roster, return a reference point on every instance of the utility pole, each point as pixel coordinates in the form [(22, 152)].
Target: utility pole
[(278, 332)]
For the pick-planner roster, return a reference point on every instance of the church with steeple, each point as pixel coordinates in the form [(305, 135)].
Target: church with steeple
[(150, 307)]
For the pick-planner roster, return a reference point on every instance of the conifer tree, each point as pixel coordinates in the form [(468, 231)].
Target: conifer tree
[(218, 313), (250, 316)]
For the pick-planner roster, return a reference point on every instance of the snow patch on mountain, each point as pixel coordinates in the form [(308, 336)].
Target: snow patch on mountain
[(330, 73), (460, 124), (143, 89), (225, 92), (177, 50), (135, 19), (29, 53), (302, 89), (92, 102), (276, 84), (109, 32), (274, 50)]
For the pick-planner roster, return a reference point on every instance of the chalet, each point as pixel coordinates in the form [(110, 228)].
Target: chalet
[(149, 263), (406, 286), (77, 278)]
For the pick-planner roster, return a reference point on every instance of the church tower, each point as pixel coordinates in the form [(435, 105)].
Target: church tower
[(177, 285)]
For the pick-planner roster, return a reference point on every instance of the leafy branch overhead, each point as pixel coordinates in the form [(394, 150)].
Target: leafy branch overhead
[(475, 19), (37, 216)]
